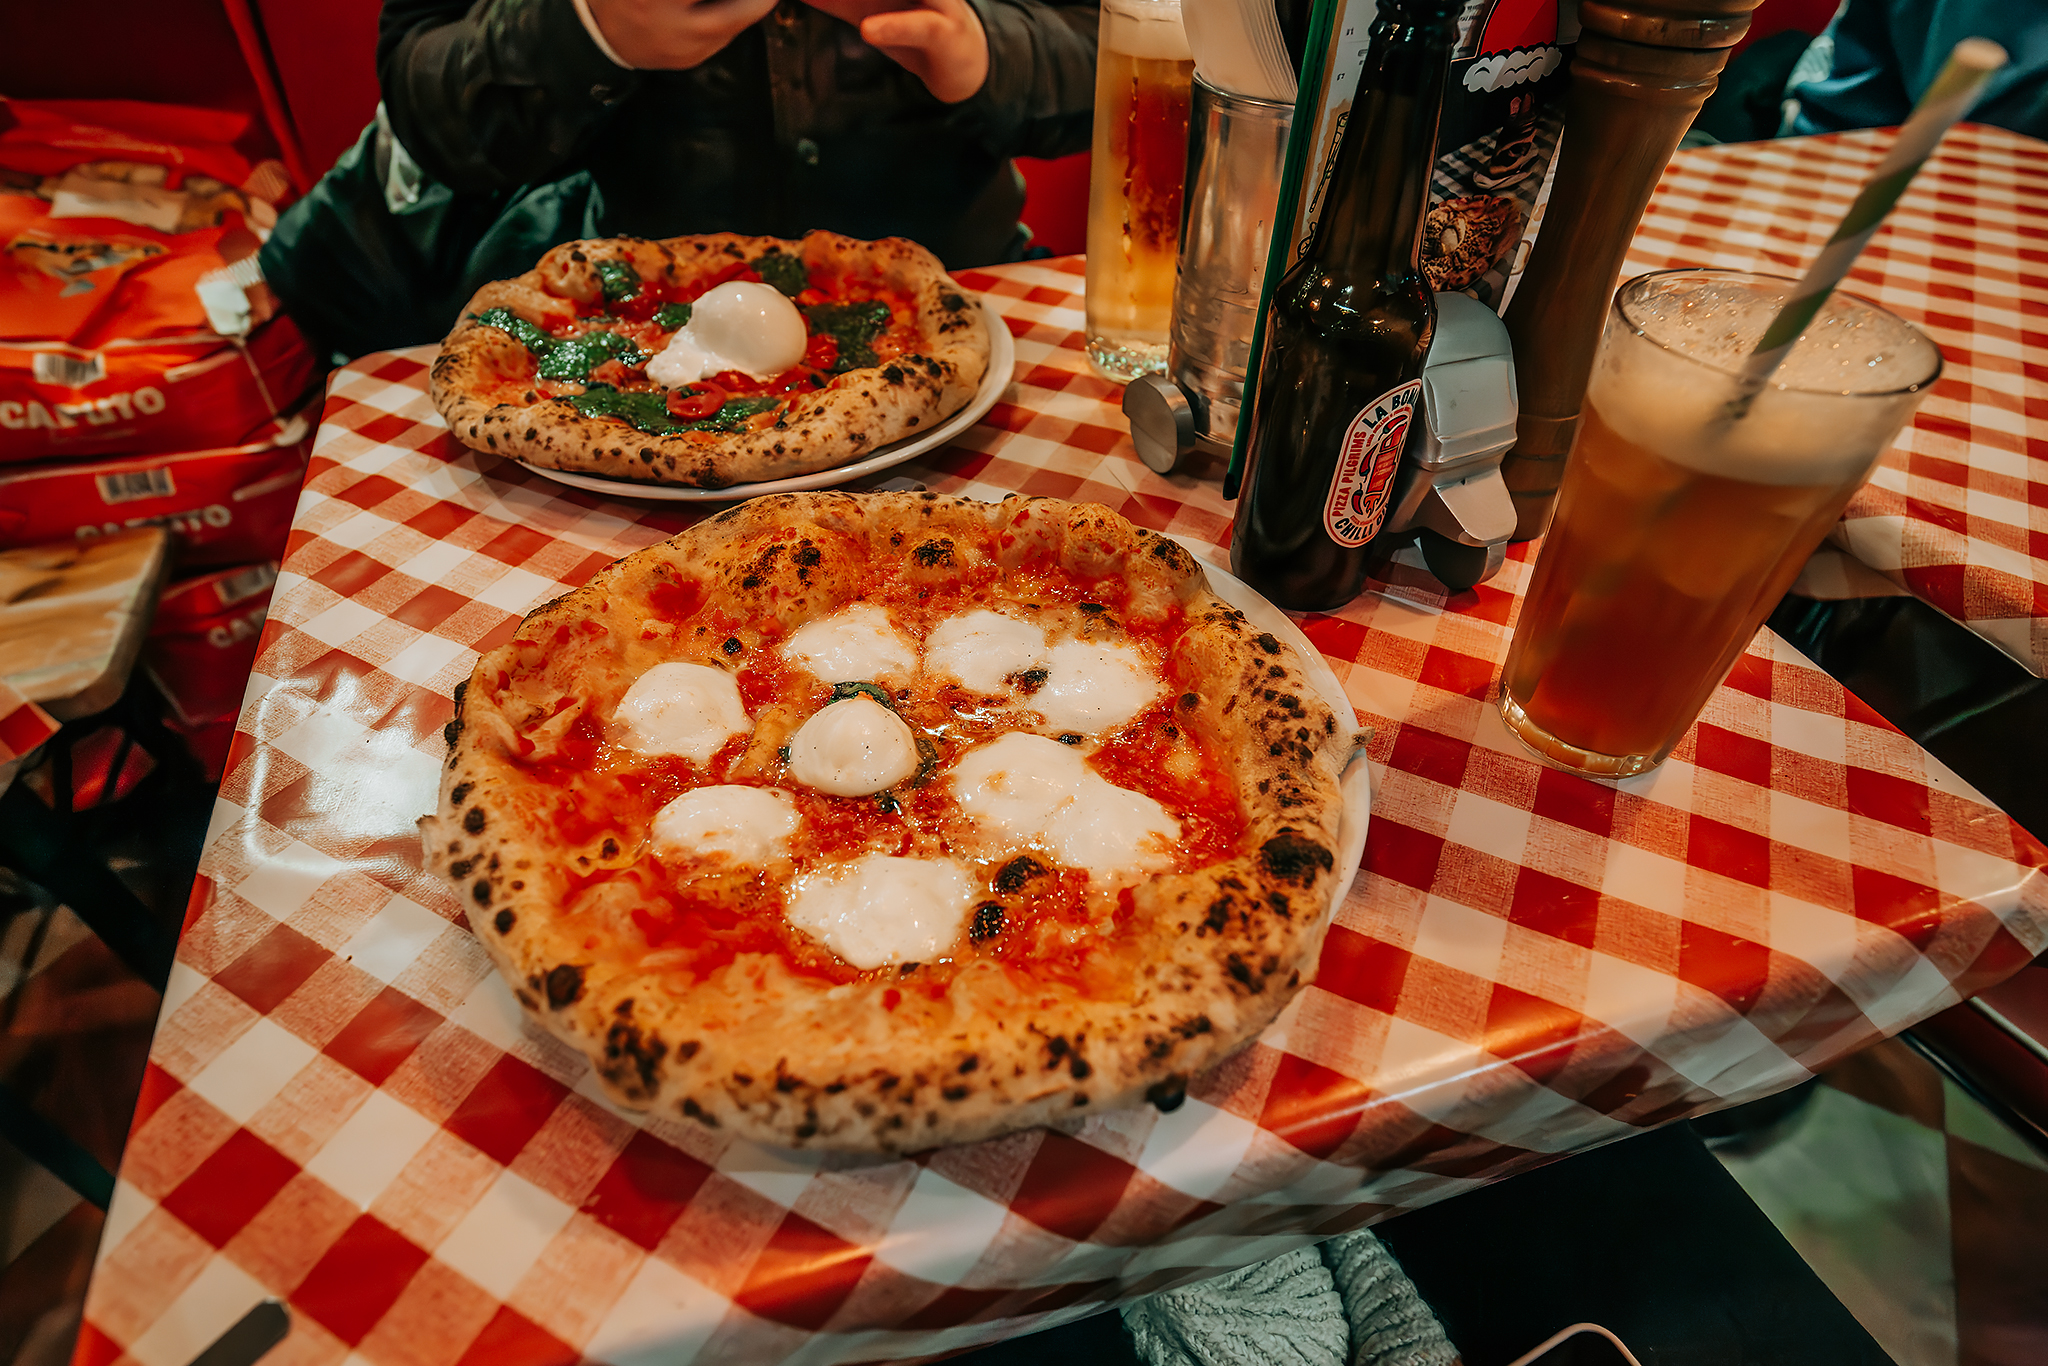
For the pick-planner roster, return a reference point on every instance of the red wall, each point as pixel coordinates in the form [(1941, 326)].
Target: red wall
[(174, 51), (1056, 202), (325, 54), (1775, 16)]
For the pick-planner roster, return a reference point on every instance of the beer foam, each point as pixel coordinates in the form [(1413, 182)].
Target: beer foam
[(1666, 375), (1719, 322), (1145, 28)]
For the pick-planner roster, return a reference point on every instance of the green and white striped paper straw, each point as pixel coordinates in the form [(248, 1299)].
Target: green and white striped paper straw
[(1947, 100)]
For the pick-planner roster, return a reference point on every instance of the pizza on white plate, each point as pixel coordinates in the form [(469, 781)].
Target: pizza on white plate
[(711, 361), (875, 822)]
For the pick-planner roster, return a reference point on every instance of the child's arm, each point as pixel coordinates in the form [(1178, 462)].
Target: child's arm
[(940, 42), (1039, 99), (1028, 65), (673, 35)]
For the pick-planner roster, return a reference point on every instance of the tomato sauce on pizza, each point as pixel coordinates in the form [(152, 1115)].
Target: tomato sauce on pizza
[(1032, 914), (597, 355), (711, 360), (877, 821)]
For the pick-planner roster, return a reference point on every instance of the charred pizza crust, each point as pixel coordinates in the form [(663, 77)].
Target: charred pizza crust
[(857, 414), (753, 1049)]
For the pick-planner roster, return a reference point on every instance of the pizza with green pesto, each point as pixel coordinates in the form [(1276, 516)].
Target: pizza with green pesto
[(711, 361)]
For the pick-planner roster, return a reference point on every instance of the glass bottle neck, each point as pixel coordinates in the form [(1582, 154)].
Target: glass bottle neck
[(1373, 225)]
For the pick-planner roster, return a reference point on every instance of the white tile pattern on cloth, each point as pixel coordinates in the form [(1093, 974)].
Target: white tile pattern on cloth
[(1527, 964)]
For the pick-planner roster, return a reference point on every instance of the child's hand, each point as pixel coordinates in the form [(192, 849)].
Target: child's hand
[(673, 35), (938, 41)]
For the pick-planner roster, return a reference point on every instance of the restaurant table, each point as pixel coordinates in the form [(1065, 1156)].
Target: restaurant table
[(1958, 512), (345, 1109)]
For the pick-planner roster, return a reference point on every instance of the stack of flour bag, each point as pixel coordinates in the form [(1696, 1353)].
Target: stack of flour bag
[(147, 376)]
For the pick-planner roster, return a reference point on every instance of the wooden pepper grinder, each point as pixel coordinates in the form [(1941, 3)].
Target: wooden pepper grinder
[(1642, 70)]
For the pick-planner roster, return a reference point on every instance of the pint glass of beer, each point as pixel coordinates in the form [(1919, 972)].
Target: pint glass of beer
[(1684, 517), (1143, 75)]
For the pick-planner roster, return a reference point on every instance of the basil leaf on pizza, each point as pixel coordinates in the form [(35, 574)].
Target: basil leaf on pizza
[(853, 328), (518, 328), (616, 279), (784, 270), (574, 358), (600, 359), (875, 822)]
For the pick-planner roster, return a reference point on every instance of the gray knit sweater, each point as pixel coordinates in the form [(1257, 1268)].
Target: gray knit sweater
[(1344, 1303)]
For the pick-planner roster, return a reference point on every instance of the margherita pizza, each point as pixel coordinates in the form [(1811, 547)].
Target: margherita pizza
[(882, 821), (711, 361)]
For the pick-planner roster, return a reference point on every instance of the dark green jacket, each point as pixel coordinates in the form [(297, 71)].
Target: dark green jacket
[(796, 124)]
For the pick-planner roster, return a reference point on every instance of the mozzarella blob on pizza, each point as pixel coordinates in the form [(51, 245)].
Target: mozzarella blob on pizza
[(711, 361), (876, 822)]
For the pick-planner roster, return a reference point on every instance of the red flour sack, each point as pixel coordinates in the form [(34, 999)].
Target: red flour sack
[(152, 394), (229, 505), (132, 312), (203, 640), (199, 652)]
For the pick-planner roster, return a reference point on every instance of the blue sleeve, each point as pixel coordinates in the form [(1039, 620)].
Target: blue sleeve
[(1887, 52), (1864, 87)]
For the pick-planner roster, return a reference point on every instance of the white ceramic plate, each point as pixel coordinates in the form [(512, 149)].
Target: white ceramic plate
[(1357, 777), (1002, 359)]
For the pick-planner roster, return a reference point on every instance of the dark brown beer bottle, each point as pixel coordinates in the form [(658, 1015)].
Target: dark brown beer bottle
[(1340, 374)]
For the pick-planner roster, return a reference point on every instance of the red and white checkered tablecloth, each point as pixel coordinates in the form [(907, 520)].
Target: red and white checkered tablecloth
[(1958, 512), (344, 1108)]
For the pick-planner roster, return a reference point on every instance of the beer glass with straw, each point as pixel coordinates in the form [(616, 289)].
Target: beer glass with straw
[(1143, 83), (1728, 421)]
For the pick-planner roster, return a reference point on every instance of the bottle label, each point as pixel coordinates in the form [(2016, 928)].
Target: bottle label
[(1364, 480)]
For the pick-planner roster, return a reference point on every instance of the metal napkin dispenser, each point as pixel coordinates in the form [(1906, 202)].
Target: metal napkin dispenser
[(1448, 493)]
